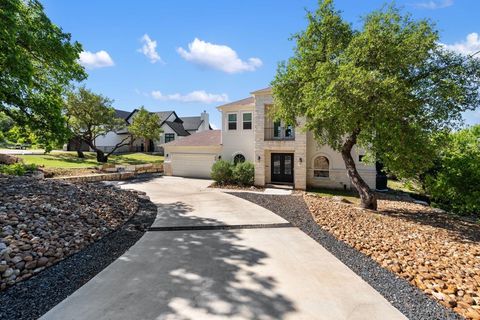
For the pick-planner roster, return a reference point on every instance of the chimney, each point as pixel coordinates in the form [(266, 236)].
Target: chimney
[(206, 121)]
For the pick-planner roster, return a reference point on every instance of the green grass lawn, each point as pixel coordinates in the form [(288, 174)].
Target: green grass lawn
[(69, 159), (346, 194)]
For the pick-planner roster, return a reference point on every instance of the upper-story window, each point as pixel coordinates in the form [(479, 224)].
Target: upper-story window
[(232, 121), (169, 137), (247, 121)]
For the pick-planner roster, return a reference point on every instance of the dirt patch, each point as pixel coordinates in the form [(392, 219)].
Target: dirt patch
[(438, 254)]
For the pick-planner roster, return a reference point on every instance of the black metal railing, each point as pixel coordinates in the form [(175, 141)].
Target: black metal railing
[(280, 133)]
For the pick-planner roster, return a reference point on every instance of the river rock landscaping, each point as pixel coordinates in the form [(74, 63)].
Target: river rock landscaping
[(438, 254), (44, 221)]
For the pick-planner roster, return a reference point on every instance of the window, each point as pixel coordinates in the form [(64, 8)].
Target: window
[(321, 167), (247, 121), (169, 137), (232, 121), (239, 158)]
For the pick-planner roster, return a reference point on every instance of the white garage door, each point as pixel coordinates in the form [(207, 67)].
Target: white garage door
[(192, 165)]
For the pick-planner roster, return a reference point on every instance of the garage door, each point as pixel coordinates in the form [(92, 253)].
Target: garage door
[(192, 165)]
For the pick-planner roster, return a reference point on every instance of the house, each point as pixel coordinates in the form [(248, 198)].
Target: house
[(173, 128), (281, 153)]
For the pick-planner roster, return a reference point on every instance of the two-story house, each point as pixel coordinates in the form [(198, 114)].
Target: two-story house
[(173, 128), (281, 152)]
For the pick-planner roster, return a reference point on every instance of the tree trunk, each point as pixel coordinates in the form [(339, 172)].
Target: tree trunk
[(367, 196), (80, 154), (101, 157)]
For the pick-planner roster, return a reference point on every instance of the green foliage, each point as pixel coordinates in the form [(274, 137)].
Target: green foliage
[(389, 86), (22, 135), (222, 172), (455, 184), (17, 169), (90, 116), (145, 125), (244, 173), (38, 62), (6, 123)]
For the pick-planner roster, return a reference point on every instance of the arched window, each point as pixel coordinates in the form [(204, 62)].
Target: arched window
[(321, 167), (239, 158)]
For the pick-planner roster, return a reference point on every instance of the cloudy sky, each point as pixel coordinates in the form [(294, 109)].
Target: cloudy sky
[(190, 56)]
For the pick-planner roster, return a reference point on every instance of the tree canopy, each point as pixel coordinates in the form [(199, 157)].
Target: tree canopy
[(38, 62), (389, 87), (90, 116), (145, 125)]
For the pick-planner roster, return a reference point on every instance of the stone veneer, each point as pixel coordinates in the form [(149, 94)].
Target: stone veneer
[(263, 149)]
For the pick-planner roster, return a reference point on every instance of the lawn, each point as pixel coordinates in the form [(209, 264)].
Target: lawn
[(346, 194), (70, 159)]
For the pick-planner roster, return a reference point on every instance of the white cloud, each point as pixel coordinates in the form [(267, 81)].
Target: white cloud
[(220, 57), (149, 49), (467, 47), (434, 4), (194, 96), (99, 59)]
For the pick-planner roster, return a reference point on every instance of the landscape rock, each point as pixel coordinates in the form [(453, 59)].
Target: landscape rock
[(44, 221), (433, 251)]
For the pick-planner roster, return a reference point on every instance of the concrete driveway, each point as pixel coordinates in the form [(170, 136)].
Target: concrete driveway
[(216, 256)]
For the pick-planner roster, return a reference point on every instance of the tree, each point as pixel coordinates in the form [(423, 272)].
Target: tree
[(90, 116), (454, 184), (146, 126), (38, 62), (388, 87)]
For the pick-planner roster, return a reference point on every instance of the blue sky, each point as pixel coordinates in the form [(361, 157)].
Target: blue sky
[(190, 56)]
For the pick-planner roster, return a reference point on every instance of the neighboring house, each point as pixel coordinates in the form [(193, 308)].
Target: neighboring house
[(173, 128), (281, 153)]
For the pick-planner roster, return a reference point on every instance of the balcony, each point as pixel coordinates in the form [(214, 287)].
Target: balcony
[(280, 133)]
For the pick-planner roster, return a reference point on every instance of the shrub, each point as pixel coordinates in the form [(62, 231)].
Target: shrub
[(17, 169), (244, 173), (222, 172), (454, 185)]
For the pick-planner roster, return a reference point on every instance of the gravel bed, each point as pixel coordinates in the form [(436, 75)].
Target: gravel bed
[(32, 298), (412, 302)]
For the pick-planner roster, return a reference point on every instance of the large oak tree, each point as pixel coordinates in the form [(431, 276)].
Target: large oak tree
[(90, 116), (38, 61), (389, 87)]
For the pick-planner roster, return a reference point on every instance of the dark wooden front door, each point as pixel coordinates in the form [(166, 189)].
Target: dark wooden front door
[(282, 167)]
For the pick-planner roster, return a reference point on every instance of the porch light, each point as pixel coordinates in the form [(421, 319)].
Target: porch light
[(300, 160), (258, 158), (219, 157)]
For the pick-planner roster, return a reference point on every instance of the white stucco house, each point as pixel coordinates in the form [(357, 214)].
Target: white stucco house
[(281, 154), (173, 128)]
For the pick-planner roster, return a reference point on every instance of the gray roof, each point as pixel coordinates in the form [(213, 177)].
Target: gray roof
[(163, 115), (122, 114), (191, 123), (177, 127)]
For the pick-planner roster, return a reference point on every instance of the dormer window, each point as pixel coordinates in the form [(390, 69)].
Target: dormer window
[(232, 121)]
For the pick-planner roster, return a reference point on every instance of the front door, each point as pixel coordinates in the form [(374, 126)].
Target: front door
[(282, 167)]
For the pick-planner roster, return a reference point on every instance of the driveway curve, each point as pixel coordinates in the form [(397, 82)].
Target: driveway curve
[(211, 255)]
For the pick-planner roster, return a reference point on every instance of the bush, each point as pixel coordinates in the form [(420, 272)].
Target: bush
[(17, 169), (244, 173), (454, 185), (222, 172)]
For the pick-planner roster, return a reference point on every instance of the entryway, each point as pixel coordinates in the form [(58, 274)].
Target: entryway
[(282, 167)]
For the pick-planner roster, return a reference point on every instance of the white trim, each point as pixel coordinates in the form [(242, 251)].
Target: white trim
[(251, 120), (227, 127)]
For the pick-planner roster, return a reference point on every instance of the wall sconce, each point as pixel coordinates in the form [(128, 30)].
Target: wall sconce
[(258, 158), (300, 160), (219, 157), (167, 155)]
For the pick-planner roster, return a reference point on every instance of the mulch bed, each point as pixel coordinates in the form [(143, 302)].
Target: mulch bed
[(407, 298), (235, 187)]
